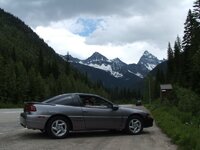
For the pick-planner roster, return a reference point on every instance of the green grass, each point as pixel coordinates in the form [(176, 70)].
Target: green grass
[(179, 126)]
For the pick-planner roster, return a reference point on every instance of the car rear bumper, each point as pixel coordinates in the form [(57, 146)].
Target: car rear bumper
[(33, 121), (148, 122)]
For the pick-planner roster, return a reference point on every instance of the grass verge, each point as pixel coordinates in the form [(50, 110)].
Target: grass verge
[(183, 132)]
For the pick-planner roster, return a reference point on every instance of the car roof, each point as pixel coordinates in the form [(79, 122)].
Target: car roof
[(79, 94), (84, 94)]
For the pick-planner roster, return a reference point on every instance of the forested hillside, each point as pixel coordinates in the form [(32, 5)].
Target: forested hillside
[(30, 70)]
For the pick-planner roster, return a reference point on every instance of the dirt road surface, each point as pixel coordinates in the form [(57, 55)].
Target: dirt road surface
[(15, 137)]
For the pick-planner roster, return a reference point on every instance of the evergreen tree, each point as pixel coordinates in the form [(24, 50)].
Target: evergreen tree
[(67, 65), (36, 88), (170, 52), (170, 56), (196, 57), (196, 10), (190, 46), (41, 63), (55, 69), (2, 78), (22, 82), (196, 13), (9, 83), (190, 34), (196, 71), (177, 59), (51, 88)]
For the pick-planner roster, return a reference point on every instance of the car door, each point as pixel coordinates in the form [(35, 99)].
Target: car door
[(98, 114)]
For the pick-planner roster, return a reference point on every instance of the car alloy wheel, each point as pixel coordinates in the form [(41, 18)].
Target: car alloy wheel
[(134, 125), (57, 127)]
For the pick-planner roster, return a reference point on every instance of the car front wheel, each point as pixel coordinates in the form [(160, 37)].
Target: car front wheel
[(57, 127), (134, 125)]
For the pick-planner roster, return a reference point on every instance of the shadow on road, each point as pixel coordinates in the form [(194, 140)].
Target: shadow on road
[(81, 134)]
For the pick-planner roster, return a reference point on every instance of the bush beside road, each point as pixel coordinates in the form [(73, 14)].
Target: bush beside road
[(179, 126)]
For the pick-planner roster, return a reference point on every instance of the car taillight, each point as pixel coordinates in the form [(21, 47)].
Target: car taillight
[(29, 108)]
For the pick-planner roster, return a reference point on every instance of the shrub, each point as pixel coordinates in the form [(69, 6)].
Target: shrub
[(170, 119), (188, 101)]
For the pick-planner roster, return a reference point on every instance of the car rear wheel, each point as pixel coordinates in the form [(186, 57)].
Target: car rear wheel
[(134, 125), (57, 127)]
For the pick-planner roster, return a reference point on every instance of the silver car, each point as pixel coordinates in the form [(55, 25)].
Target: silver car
[(61, 114)]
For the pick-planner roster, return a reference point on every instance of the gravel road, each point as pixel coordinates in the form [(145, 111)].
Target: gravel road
[(14, 137)]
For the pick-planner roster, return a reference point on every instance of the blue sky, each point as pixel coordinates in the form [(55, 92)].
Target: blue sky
[(89, 25)]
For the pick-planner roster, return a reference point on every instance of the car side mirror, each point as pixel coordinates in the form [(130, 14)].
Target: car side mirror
[(115, 107)]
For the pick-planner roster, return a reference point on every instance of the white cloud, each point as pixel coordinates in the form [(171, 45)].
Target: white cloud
[(158, 28), (63, 40)]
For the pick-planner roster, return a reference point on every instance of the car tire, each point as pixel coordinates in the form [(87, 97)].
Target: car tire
[(134, 125), (57, 127)]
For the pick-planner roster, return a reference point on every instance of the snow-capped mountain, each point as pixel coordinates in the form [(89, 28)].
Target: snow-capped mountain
[(101, 62), (114, 72), (149, 61), (96, 58), (146, 63), (116, 67)]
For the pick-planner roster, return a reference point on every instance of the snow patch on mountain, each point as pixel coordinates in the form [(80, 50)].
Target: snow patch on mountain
[(102, 67), (107, 68), (97, 60), (117, 74), (150, 66), (137, 74)]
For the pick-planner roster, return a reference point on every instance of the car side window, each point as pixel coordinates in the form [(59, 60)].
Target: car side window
[(54, 99), (93, 101), (66, 100), (86, 100)]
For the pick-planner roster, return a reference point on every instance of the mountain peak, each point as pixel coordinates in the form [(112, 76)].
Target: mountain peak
[(148, 60), (97, 54), (146, 53), (96, 57), (117, 59)]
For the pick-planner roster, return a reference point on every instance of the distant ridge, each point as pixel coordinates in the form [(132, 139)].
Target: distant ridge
[(118, 72)]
